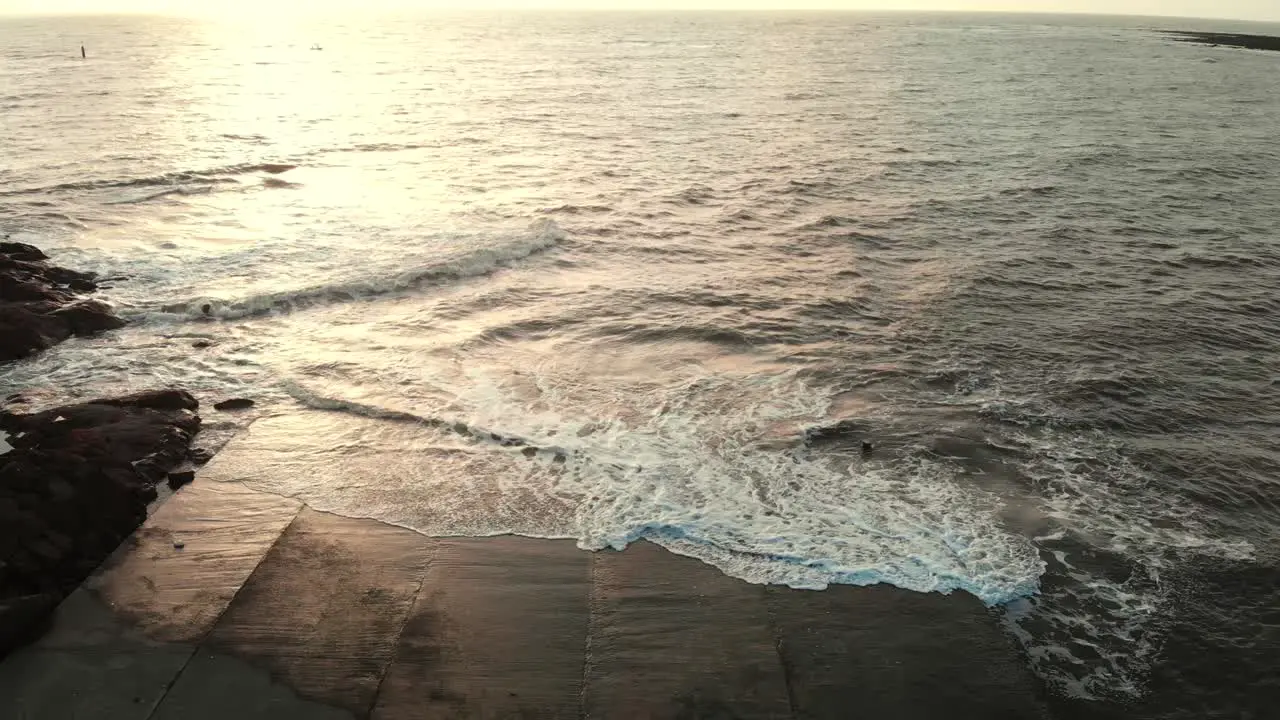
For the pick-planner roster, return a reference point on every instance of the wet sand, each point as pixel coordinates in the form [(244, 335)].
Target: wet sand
[(234, 603)]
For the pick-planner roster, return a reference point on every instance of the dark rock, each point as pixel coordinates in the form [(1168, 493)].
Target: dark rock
[(23, 332), (841, 430), (234, 404), (76, 483), (88, 317), (154, 399), (22, 251), (1240, 40), (199, 456), (202, 344), (151, 471), (25, 618), (63, 276), (178, 479), (19, 288), (38, 305)]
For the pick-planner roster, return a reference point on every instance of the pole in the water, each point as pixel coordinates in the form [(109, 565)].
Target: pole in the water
[(82, 53)]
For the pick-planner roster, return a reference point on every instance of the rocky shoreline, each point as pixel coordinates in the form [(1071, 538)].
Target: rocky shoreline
[(40, 304), (76, 483), (75, 480), (1240, 40)]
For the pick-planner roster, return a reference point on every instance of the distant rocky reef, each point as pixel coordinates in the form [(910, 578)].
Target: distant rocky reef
[(1240, 40)]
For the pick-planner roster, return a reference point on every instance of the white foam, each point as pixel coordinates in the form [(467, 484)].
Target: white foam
[(1112, 509), (687, 475), (1097, 636), (1115, 536)]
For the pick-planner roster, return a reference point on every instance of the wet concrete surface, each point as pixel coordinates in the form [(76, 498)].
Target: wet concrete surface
[(325, 608), (176, 575), (498, 631), (672, 637), (233, 603)]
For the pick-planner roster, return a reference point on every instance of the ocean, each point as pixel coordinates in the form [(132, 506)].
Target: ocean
[(621, 276)]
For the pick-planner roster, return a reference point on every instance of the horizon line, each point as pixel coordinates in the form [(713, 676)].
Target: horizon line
[(638, 11)]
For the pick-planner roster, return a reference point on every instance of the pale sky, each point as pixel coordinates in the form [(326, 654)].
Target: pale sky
[(1239, 9)]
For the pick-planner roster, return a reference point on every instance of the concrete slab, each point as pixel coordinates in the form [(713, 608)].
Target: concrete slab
[(884, 652), (672, 637), (216, 687), (87, 683), (178, 572), (324, 609), (83, 622), (301, 614), (498, 631)]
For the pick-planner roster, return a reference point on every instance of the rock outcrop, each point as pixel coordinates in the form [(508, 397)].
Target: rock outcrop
[(234, 404), (76, 483), (1240, 40), (39, 303)]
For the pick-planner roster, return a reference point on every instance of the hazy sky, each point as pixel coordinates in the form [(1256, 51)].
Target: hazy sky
[(1243, 9)]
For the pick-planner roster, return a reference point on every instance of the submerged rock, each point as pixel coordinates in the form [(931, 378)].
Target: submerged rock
[(233, 404), (842, 430), (154, 399)]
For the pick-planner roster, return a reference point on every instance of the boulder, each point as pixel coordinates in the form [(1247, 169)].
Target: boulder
[(22, 251), (39, 306), (154, 399), (88, 317), (23, 332), (178, 479), (233, 404), (76, 483), (17, 287)]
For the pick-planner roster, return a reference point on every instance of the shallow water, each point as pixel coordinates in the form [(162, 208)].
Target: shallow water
[(611, 277)]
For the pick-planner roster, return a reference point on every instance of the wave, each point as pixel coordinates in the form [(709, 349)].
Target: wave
[(1116, 533), (568, 209), (224, 174), (163, 193), (805, 95), (544, 235), (474, 433), (696, 194), (827, 222), (689, 476)]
